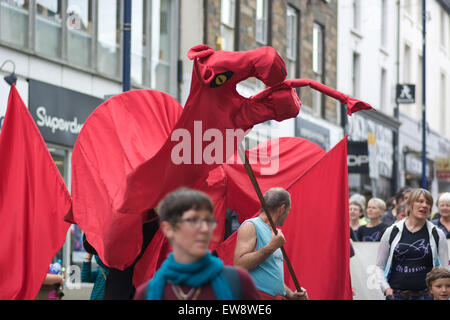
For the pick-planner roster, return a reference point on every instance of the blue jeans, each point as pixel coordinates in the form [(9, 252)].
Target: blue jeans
[(398, 297)]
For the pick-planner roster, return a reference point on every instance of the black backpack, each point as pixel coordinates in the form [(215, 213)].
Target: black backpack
[(434, 232)]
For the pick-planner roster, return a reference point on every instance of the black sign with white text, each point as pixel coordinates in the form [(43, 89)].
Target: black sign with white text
[(58, 112), (358, 157)]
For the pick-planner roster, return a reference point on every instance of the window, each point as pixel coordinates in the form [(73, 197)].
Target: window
[(383, 91), (79, 32), (419, 88), (261, 21), (138, 40), (384, 22), (317, 61), (227, 24), (48, 27), (356, 74), (442, 28), (444, 111), (408, 7), (14, 22), (161, 45), (292, 42), (356, 14), (407, 64), (108, 43)]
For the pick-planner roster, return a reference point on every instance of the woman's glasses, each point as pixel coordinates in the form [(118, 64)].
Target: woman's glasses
[(197, 222)]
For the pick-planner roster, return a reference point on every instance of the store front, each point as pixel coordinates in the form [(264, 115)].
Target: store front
[(377, 130), (60, 114)]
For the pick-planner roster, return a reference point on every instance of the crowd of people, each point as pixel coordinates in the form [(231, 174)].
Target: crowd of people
[(412, 241), (412, 261)]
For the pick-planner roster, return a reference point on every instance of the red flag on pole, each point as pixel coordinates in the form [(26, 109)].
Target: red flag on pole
[(33, 202), (317, 227)]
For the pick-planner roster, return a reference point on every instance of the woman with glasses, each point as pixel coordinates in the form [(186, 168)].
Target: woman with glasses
[(191, 272)]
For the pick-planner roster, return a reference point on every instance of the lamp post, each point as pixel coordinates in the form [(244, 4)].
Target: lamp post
[(11, 78), (126, 82), (424, 119)]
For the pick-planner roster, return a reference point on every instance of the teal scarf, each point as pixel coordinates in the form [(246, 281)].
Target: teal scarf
[(208, 269)]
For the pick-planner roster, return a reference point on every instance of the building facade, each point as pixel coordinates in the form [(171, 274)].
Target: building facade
[(67, 56), (437, 102)]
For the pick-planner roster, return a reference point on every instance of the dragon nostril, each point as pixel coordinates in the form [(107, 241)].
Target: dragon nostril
[(207, 75)]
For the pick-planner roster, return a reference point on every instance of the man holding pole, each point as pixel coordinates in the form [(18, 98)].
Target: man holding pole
[(258, 248)]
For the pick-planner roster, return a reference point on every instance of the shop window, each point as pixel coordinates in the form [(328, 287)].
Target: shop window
[(14, 22), (48, 27), (79, 32), (108, 45)]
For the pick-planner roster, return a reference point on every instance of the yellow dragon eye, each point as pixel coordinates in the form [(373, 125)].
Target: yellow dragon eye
[(221, 79)]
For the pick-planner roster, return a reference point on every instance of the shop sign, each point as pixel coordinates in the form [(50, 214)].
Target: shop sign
[(413, 166), (58, 112), (380, 149), (443, 168), (358, 157)]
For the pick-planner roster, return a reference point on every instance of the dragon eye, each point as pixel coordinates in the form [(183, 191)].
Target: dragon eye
[(220, 79)]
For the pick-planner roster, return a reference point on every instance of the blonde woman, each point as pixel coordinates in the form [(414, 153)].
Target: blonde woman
[(410, 249)]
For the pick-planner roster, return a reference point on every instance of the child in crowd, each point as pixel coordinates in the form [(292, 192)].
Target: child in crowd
[(374, 229), (438, 282)]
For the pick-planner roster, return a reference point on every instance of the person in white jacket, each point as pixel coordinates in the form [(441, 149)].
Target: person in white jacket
[(409, 249)]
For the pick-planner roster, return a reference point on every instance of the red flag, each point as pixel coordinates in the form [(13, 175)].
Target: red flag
[(33, 202), (317, 227)]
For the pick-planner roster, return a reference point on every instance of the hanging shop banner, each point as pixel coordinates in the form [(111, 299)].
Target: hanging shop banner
[(379, 139), (358, 157), (59, 113), (443, 168)]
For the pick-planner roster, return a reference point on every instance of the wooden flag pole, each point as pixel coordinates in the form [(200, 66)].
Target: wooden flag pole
[(252, 177)]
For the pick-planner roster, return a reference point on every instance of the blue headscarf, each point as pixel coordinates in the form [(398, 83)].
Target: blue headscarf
[(208, 269)]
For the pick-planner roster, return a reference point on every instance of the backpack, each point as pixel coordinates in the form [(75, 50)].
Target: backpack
[(434, 232), (234, 281)]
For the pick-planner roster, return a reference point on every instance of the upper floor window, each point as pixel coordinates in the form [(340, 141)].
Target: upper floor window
[(108, 38), (49, 27), (14, 22), (292, 41), (317, 61), (356, 6), (227, 24), (79, 32), (384, 23), (261, 21)]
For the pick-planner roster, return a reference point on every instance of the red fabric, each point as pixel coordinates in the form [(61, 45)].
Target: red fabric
[(33, 202), (353, 105), (317, 227), (122, 163), (218, 108), (120, 134)]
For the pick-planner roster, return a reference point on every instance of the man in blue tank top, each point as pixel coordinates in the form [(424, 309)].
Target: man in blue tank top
[(258, 248)]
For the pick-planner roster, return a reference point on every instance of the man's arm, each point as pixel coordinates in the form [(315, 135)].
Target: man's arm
[(246, 255)]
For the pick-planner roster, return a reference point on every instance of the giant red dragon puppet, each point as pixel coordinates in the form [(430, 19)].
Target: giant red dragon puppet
[(122, 162)]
